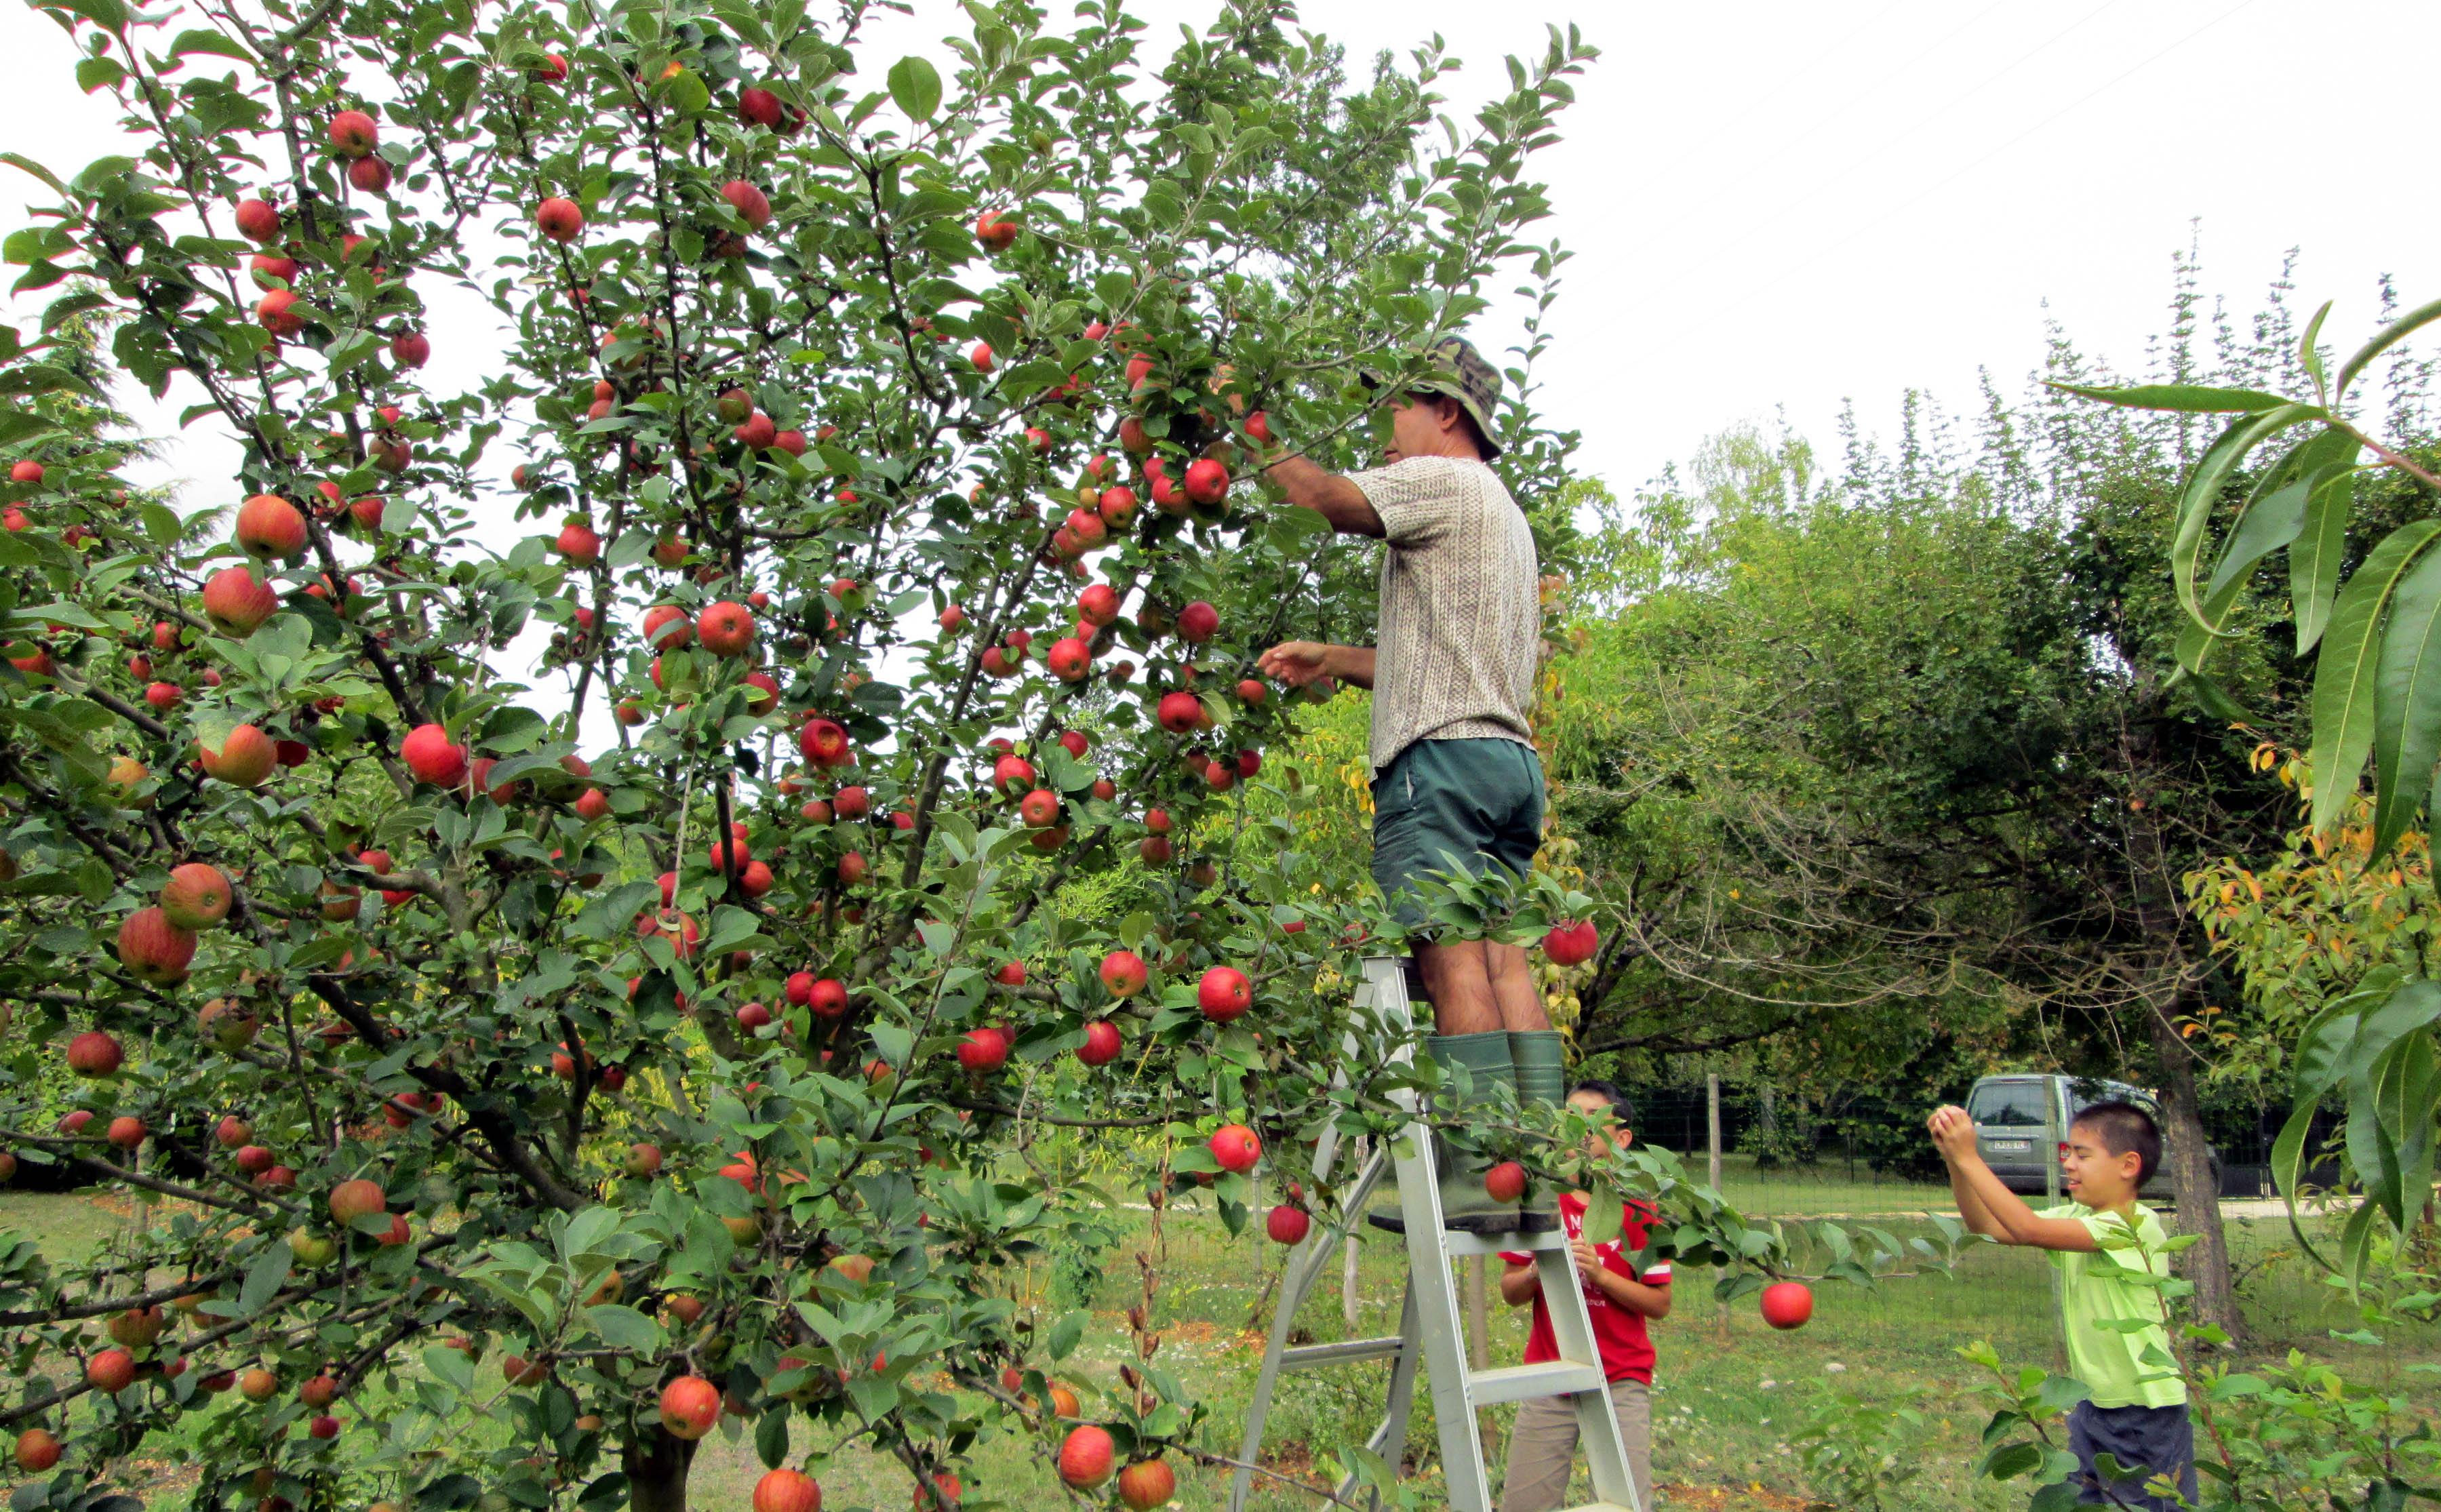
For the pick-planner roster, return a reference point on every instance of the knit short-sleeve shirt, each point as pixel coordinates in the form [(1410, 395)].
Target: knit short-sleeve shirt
[(1461, 619)]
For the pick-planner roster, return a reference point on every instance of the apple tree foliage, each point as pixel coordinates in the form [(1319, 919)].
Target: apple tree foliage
[(715, 1053), (2364, 598)]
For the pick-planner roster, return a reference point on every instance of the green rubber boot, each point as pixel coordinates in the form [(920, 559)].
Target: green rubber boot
[(1464, 1203), (1541, 1064)]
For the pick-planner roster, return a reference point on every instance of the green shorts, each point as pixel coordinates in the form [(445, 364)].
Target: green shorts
[(1462, 804)]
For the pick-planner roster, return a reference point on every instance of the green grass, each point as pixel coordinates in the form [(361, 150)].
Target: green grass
[(1727, 1396)]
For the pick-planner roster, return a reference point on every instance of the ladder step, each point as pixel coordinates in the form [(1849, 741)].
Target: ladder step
[(1515, 1383), (1346, 1351)]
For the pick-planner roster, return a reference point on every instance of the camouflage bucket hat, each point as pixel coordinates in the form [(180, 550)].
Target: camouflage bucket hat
[(1461, 372)]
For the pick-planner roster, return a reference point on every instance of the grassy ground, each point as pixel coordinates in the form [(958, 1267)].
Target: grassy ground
[(1729, 1392)]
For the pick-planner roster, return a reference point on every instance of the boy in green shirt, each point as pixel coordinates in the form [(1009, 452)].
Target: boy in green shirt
[(2135, 1411)]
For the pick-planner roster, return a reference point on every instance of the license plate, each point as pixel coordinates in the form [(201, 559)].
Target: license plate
[(2012, 1146)]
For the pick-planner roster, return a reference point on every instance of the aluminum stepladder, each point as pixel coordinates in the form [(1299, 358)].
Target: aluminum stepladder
[(1431, 1330)]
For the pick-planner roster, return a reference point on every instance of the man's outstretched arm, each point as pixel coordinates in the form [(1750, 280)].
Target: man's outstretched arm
[(1298, 662), (1333, 496)]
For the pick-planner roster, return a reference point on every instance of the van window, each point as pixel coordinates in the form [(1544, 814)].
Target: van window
[(2018, 1104)]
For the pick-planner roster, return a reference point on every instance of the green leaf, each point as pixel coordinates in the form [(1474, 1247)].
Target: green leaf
[(1065, 1334), (894, 1043), (2006, 1461), (616, 910), (265, 1278), (2345, 670), (2314, 557), (771, 1436), (623, 1327), (2181, 399), (2202, 494), (2310, 353), (2390, 336), (2407, 702), (915, 87), (108, 14), (192, 42), (99, 73), (2269, 524)]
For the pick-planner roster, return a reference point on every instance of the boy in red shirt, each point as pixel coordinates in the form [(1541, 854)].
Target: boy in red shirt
[(1619, 1299)]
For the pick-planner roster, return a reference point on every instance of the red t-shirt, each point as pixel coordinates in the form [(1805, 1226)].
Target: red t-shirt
[(1626, 1349)]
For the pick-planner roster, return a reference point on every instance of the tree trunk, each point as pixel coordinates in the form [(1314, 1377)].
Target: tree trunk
[(2191, 1180), (656, 1460)]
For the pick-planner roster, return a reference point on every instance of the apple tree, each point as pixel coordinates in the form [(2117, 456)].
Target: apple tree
[(867, 441)]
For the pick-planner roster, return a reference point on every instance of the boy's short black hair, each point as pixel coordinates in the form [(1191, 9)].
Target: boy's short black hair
[(2124, 1128), (1609, 1092)]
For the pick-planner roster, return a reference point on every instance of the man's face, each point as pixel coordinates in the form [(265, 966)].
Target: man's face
[(1608, 1130), (1417, 423)]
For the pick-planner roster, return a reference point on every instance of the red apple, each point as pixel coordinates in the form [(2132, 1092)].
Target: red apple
[(823, 743), (827, 998), (1208, 481), (786, 1490), (983, 1049), (432, 757), (245, 757), (1224, 994), (1012, 771), (1040, 809), (257, 220), (111, 1370), (996, 229), (355, 1198), (1505, 1183), (270, 526), (1197, 623), (1179, 711), (1070, 659), (154, 950), (1086, 1459), (690, 1406), (726, 629), (751, 205), (352, 133), (758, 107), (578, 543), (1123, 973), (1787, 1304), (1235, 1147), (559, 220), (1288, 1225), (196, 896), (370, 174), (1147, 1485), (236, 602), (1102, 1043), (1569, 944), (667, 627), (94, 1054)]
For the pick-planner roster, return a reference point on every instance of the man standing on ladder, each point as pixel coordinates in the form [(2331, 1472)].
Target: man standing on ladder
[(1454, 769)]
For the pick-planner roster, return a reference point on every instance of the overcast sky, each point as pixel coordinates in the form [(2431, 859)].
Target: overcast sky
[(1788, 205)]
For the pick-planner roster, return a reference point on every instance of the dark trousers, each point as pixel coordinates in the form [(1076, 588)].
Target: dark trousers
[(2161, 1439)]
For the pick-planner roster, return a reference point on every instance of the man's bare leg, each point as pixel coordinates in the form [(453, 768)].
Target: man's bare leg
[(1460, 987), (1512, 986)]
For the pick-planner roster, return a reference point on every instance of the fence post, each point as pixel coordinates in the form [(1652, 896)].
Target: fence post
[(1712, 1127)]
